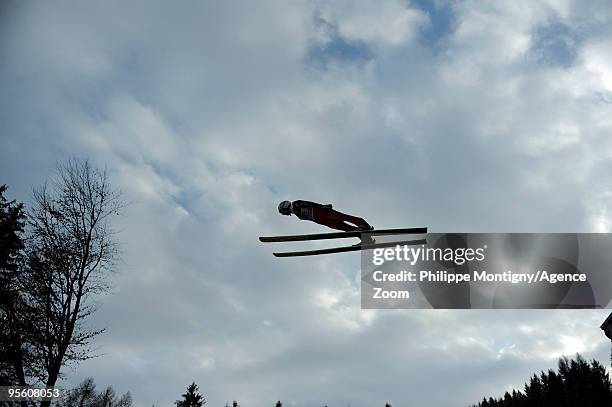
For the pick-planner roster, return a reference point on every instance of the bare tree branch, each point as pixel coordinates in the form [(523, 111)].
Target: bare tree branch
[(70, 252)]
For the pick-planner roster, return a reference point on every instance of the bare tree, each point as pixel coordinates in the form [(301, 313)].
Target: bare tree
[(70, 251), (85, 395)]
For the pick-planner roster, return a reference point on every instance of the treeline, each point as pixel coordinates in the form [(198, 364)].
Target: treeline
[(86, 395), (575, 383), (192, 398)]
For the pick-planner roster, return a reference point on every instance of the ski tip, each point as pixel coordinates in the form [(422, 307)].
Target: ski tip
[(288, 254)]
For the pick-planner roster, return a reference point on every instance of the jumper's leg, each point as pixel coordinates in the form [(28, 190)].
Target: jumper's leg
[(339, 220), (359, 222), (335, 224)]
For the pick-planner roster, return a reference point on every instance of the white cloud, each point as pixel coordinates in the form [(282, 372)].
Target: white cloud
[(598, 62), (386, 23)]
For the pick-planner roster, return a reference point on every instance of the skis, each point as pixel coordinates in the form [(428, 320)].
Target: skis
[(352, 248), (342, 235)]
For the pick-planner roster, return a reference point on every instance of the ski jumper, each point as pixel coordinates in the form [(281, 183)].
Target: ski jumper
[(325, 215)]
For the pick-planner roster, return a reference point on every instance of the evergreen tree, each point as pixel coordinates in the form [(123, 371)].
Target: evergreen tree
[(576, 383), (534, 392), (191, 398), (14, 350), (600, 384), (12, 221), (507, 400), (552, 385)]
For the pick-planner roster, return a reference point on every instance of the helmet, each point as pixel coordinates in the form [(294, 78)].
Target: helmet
[(285, 207)]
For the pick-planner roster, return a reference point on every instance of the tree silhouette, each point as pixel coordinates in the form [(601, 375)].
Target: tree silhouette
[(12, 359), (191, 398), (85, 395), (12, 222), (577, 383), (69, 252), (533, 391)]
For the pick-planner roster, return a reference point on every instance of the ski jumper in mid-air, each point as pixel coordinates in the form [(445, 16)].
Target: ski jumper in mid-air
[(323, 215), (351, 227)]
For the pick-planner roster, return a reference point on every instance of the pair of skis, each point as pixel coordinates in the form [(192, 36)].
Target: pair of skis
[(342, 235)]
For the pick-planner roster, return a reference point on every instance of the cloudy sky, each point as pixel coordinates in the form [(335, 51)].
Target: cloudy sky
[(465, 116)]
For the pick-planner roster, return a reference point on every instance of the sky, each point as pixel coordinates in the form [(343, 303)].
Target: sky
[(461, 116)]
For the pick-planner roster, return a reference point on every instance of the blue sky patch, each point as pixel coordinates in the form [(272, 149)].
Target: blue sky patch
[(555, 44), (440, 21), (337, 49)]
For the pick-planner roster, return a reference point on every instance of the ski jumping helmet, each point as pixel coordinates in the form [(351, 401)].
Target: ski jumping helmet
[(285, 207)]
